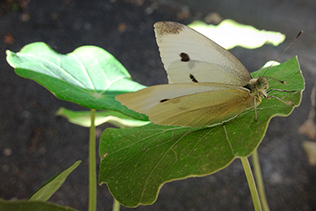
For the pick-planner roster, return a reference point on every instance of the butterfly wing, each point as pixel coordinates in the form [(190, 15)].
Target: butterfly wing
[(205, 81), (194, 104), (187, 54)]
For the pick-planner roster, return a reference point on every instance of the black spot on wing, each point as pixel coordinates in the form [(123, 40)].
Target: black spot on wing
[(193, 79), (163, 100), (184, 57)]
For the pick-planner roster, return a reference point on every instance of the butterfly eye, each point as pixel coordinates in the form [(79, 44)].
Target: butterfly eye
[(184, 57)]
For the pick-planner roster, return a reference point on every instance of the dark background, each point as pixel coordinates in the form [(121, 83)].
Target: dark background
[(35, 145)]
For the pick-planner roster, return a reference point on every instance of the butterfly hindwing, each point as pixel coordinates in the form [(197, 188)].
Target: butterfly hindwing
[(142, 100), (188, 104), (200, 109)]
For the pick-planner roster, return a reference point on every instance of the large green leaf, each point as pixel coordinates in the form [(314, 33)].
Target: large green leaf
[(31, 206), (89, 76), (135, 162), (47, 190)]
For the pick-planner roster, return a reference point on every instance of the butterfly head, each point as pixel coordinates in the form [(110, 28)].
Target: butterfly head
[(262, 84), (258, 87)]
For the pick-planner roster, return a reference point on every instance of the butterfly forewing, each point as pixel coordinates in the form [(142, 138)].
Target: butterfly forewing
[(202, 72), (182, 48)]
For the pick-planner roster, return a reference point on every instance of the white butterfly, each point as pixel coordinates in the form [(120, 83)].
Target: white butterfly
[(207, 84)]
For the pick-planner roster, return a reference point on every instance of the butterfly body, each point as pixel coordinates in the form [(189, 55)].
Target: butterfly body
[(207, 84)]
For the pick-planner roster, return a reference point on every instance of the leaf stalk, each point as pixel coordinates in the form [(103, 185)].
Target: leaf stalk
[(251, 184), (92, 165), (259, 180)]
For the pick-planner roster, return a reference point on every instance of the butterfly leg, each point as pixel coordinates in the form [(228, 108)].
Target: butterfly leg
[(285, 102), (255, 107), (279, 90)]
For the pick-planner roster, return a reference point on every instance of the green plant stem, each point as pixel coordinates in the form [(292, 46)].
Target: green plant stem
[(92, 165), (259, 180), (116, 205), (251, 183)]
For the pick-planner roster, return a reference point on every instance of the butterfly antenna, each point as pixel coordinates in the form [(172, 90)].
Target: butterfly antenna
[(282, 82), (297, 36)]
